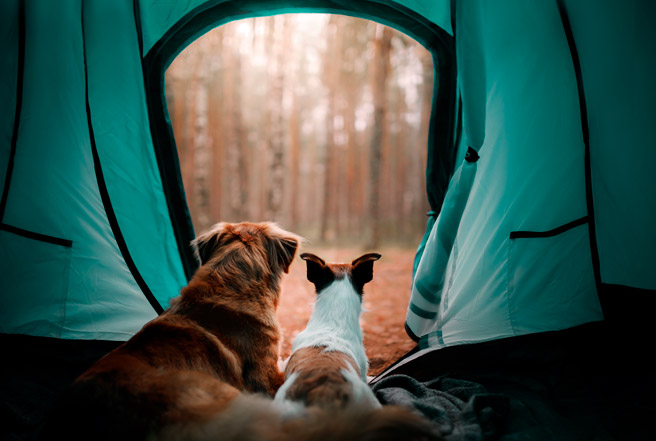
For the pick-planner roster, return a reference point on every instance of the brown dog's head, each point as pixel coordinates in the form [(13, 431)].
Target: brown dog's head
[(247, 246)]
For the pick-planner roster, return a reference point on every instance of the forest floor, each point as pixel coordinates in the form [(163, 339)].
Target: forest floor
[(385, 302)]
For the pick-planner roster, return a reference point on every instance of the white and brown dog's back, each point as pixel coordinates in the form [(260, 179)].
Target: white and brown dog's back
[(186, 368)]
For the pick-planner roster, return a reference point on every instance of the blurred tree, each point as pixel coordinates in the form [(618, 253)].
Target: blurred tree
[(319, 122), (379, 72), (278, 38), (331, 62)]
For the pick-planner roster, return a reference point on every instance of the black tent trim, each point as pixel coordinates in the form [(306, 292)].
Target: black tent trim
[(104, 193), (550, 233), (37, 236), (19, 106), (613, 298), (411, 334), (594, 250), (168, 161), (14, 142), (441, 151)]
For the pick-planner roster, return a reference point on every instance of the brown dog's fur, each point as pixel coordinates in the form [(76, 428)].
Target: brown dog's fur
[(216, 340)]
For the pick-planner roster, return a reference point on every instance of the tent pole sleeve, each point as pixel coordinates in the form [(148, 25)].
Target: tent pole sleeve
[(471, 71)]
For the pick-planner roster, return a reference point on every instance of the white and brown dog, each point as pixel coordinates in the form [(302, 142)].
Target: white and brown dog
[(184, 374), (328, 366)]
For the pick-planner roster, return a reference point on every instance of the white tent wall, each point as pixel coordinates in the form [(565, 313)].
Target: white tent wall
[(616, 45), (64, 273)]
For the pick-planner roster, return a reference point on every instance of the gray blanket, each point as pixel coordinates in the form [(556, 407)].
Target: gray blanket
[(462, 410)]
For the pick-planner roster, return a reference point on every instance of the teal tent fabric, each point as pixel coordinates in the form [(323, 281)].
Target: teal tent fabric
[(93, 224), (616, 50), (556, 96), (122, 134), (158, 16), (553, 217), (530, 177), (428, 282), (8, 81), (471, 20), (64, 273)]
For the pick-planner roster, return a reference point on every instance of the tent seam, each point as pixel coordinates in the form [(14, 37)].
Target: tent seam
[(104, 192), (576, 64), (525, 234), (178, 209), (67, 243), (19, 107)]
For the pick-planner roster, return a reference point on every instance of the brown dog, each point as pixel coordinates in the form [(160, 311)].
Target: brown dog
[(184, 369)]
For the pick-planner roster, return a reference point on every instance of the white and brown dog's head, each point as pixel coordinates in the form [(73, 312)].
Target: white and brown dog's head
[(322, 274)]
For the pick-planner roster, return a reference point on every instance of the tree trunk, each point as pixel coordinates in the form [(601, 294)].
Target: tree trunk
[(331, 63), (294, 172), (277, 137), (379, 71), (236, 182)]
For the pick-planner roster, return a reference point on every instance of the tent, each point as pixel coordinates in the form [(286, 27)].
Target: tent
[(541, 237)]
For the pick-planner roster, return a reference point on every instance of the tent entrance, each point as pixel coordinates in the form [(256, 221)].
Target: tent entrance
[(318, 122), (439, 155)]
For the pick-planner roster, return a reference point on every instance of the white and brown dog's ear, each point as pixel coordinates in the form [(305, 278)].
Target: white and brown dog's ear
[(207, 243), (282, 246), (317, 271), (362, 270)]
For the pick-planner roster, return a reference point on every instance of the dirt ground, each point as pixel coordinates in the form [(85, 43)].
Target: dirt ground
[(385, 302)]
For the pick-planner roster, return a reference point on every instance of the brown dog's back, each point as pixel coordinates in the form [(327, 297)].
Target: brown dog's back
[(171, 372)]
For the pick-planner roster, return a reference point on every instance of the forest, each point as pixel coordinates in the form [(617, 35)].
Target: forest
[(318, 122)]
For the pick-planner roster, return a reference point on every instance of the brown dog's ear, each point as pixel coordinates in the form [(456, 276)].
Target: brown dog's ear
[(363, 270), (282, 246), (285, 251), (206, 244), (317, 271)]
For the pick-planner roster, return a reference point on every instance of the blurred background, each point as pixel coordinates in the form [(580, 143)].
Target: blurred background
[(318, 122)]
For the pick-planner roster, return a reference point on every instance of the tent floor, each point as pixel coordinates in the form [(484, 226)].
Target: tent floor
[(591, 382), (34, 373)]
